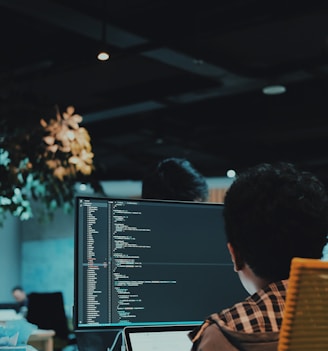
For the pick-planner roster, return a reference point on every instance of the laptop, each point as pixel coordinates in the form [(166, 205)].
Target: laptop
[(158, 338), (8, 315)]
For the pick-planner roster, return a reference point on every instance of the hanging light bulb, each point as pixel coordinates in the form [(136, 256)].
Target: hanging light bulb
[(103, 54)]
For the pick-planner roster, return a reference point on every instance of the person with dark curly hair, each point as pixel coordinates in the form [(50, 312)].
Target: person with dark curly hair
[(272, 213), (174, 178)]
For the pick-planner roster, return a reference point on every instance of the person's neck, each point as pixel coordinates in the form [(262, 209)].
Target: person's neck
[(251, 282)]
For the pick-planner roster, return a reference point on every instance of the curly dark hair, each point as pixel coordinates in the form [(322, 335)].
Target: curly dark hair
[(174, 179), (274, 212)]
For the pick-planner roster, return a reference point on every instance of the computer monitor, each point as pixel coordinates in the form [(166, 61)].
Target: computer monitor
[(9, 306), (150, 262)]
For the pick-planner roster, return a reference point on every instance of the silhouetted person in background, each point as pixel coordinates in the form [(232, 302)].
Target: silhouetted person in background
[(174, 179), (21, 297)]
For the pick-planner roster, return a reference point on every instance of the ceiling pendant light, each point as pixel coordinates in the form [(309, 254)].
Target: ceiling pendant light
[(274, 89), (103, 54)]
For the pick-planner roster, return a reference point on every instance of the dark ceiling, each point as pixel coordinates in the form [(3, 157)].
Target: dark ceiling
[(185, 79)]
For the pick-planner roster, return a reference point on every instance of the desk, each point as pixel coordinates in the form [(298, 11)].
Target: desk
[(43, 340)]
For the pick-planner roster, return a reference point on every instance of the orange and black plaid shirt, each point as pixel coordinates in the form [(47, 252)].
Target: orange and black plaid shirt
[(260, 312)]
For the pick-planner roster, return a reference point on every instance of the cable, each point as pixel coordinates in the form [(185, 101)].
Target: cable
[(123, 343), (115, 341)]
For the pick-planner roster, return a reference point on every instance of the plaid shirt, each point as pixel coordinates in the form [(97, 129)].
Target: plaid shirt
[(260, 312)]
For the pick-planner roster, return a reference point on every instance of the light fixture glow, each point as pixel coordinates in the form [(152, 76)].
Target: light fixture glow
[(103, 56), (231, 173), (83, 187), (274, 90)]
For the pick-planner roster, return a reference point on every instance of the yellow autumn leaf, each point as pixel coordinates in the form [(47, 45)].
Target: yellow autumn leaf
[(70, 110), (43, 123), (59, 173), (52, 164), (49, 139), (52, 148), (74, 160)]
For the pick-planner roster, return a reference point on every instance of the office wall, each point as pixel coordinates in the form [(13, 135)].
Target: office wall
[(47, 256), (10, 257)]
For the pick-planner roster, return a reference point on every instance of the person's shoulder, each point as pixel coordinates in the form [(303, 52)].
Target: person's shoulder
[(256, 307), (276, 291), (214, 335), (209, 337)]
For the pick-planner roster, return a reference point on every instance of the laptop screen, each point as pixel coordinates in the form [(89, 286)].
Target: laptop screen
[(158, 338), (147, 262)]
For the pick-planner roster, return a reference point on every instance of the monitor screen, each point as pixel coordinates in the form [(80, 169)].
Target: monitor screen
[(150, 262)]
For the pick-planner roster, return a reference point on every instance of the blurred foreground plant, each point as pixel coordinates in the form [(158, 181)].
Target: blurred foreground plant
[(44, 164)]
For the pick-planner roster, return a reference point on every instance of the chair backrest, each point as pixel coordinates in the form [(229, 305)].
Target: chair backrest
[(305, 322), (47, 311)]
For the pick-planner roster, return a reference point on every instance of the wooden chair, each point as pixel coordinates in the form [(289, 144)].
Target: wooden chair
[(305, 323)]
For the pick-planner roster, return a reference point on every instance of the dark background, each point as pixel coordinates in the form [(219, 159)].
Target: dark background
[(185, 79)]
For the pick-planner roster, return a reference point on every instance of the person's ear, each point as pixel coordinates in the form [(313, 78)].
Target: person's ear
[(238, 262)]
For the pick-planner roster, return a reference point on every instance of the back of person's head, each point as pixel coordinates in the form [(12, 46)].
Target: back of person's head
[(274, 213), (18, 293), (17, 288), (174, 179)]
